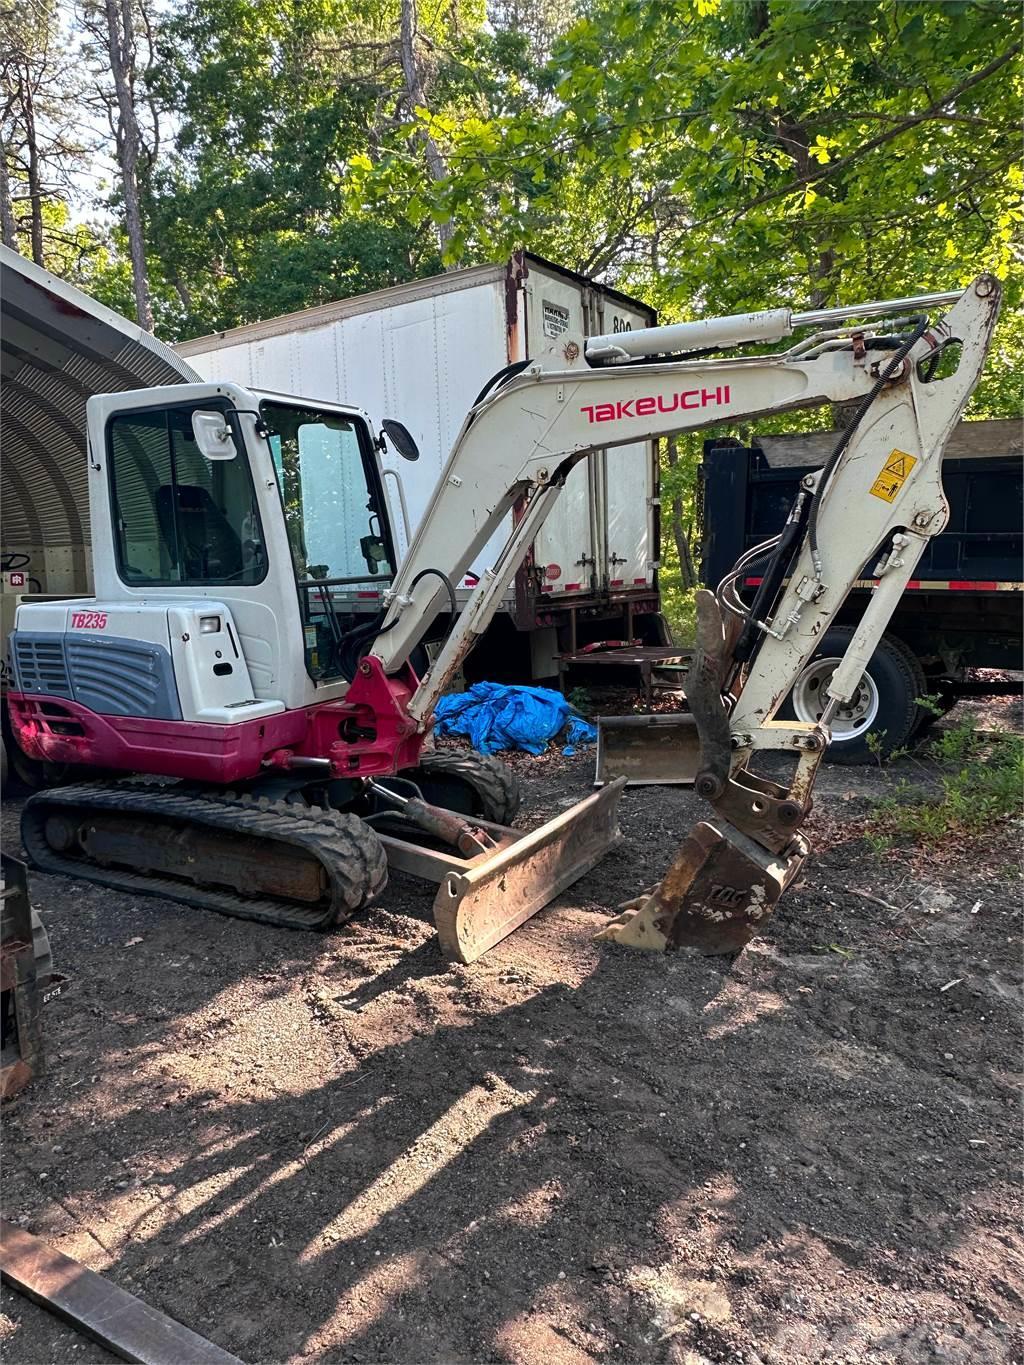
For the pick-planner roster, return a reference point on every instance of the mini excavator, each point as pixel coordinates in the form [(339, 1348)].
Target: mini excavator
[(227, 656)]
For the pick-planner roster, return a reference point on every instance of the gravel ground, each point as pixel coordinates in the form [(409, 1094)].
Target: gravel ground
[(341, 1148)]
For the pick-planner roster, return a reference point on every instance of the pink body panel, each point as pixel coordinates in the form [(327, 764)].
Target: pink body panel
[(367, 734), (60, 731)]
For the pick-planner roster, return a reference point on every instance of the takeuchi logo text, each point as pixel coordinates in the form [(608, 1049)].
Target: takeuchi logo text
[(686, 400)]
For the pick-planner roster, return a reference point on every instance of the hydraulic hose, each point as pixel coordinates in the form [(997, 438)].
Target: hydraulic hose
[(785, 552), (423, 573), (351, 646)]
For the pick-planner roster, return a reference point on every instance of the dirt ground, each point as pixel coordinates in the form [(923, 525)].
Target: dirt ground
[(342, 1148)]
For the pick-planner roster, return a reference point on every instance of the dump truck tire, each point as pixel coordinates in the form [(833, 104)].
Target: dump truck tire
[(885, 708)]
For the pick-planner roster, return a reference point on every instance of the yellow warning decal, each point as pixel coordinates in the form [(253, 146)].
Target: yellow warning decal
[(894, 475)]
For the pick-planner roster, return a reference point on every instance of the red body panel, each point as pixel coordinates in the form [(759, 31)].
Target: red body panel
[(366, 734), (369, 733), (59, 731)]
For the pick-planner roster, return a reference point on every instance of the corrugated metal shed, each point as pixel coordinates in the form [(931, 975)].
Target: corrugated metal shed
[(58, 348)]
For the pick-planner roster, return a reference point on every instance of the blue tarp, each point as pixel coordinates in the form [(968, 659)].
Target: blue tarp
[(495, 716)]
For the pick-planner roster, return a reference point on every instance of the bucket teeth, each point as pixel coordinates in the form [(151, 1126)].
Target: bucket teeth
[(635, 927)]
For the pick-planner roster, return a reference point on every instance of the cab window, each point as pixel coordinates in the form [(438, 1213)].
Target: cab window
[(179, 518), (340, 546)]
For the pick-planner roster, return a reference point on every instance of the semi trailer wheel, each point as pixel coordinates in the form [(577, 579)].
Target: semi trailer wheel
[(884, 706)]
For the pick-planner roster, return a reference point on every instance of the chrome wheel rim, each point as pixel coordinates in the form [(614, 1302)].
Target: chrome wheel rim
[(811, 695)]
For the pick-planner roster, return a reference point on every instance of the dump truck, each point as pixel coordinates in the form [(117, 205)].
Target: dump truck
[(962, 611)]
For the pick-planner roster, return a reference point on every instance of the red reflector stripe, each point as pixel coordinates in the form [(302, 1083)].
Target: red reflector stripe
[(616, 582), (573, 587), (933, 585), (640, 582), (374, 595)]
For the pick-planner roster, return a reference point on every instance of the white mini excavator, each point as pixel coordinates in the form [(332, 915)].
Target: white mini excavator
[(237, 537)]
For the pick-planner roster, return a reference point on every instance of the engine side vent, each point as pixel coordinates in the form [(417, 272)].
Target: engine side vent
[(39, 664), (119, 677)]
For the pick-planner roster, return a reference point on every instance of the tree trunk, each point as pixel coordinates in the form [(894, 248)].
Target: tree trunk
[(35, 194), (129, 142), (415, 97), (796, 141), (8, 226), (687, 571)]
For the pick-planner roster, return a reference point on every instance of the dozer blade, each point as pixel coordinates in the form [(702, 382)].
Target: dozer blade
[(660, 750), (476, 909), (715, 897)]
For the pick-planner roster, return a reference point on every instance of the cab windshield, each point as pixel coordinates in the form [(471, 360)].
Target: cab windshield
[(333, 511)]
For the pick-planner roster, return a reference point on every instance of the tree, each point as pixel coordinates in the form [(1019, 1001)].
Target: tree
[(415, 99), (718, 156), (539, 22), (252, 214), (41, 150), (122, 53)]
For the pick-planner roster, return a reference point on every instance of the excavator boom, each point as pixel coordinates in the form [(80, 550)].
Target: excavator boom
[(879, 497)]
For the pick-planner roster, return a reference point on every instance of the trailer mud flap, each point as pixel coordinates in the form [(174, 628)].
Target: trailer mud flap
[(658, 750), (476, 909)]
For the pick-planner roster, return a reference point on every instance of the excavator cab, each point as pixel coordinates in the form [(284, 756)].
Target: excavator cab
[(193, 509)]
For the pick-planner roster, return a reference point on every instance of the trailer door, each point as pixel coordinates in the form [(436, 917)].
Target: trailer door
[(565, 550), (629, 487)]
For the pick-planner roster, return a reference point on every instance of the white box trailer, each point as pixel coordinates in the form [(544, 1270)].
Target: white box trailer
[(421, 353)]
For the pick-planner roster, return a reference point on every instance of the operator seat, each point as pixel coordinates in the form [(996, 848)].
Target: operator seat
[(195, 529)]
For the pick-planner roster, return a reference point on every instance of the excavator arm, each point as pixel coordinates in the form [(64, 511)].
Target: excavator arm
[(879, 495)]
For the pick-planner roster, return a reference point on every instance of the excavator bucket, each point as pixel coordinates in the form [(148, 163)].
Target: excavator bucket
[(722, 885), (658, 750), (715, 897)]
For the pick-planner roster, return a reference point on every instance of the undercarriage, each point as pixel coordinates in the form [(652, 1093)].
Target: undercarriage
[(311, 855)]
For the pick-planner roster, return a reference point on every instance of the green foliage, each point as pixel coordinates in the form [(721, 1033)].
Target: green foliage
[(677, 604), (931, 703), (250, 217), (579, 699), (718, 157), (981, 786), (709, 155)]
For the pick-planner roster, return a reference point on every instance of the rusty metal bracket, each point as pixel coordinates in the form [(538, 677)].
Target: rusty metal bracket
[(703, 689), (21, 1056), (98, 1307)]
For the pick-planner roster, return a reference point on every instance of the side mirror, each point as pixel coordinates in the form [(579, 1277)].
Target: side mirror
[(401, 438), (213, 436)]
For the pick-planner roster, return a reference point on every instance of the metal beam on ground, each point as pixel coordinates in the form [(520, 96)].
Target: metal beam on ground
[(94, 1305)]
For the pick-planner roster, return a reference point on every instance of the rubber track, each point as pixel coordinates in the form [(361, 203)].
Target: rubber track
[(495, 784), (348, 849)]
